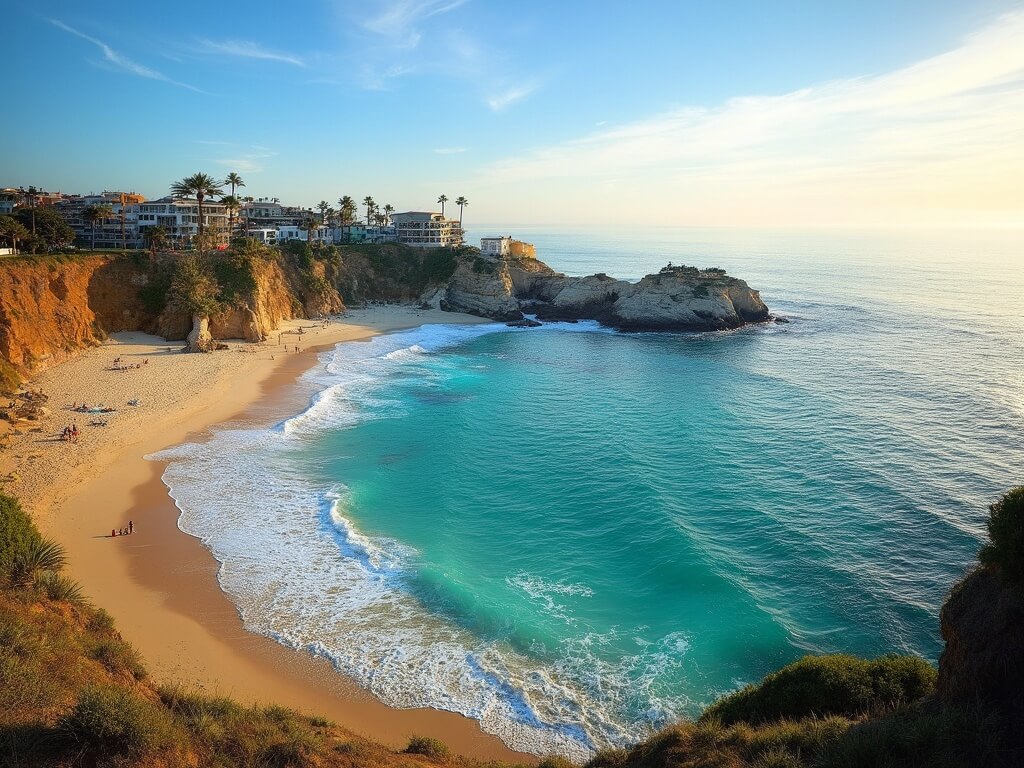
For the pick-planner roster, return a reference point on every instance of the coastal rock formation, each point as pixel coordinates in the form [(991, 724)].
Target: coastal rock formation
[(677, 298), (982, 623)]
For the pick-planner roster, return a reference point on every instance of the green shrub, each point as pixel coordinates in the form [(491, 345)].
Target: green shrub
[(100, 621), (827, 685), (17, 533), (427, 746), (113, 721), (921, 737), (37, 555), (1005, 550), (56, 586), (118, 657)]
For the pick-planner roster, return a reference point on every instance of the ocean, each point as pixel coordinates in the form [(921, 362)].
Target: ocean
[(576, 535)]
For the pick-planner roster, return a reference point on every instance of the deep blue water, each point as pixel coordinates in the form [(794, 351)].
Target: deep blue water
[(577, 535)]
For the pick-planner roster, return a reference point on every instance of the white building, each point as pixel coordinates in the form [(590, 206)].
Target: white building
[(180, 218), (321, 234), (422, 229), (496, 246), (264, 235)]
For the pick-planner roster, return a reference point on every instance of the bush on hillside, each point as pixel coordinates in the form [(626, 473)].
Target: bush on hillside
[(921, 737), (435, 749), (17, 534), (827, 685), (1005, 550), (108, 721)]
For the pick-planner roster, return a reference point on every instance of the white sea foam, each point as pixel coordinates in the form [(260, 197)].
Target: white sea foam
[(300, 572)]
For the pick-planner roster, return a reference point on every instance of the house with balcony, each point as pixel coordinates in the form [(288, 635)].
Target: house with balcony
[(423, 229), (119, 230), (180, 219)]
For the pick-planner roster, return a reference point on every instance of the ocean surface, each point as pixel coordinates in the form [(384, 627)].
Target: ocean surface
[(576, 535)]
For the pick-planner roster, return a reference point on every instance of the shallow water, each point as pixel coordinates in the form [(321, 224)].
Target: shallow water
[(576, 535)]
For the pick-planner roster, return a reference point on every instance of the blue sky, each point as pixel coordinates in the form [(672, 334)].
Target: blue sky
[(541, 113)]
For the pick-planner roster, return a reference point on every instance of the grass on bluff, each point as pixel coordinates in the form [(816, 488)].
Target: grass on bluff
[(73, 692)]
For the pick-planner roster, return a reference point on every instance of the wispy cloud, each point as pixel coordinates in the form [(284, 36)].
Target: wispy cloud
[(247, 49), (123, 62), (393, 39), (507, 96), (449, 150), (946, 133), (246, 158), (400, 20)]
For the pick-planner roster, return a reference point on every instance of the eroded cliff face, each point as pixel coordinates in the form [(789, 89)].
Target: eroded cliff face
[(50, 309), (45, 312), (674, 300)]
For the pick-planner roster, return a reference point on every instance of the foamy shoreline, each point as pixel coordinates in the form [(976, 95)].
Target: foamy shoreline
[(160, 584)]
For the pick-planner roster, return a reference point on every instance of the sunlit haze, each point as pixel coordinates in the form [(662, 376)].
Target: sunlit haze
[(569, 114)]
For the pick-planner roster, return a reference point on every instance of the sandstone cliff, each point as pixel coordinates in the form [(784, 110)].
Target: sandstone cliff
[(674, 299), (51, 308)]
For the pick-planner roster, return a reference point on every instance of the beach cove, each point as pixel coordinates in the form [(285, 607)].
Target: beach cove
[(160, 584)]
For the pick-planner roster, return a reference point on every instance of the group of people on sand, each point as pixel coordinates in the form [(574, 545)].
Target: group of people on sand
[(123, 531), (70, 434), (119, 366), (86, 408)]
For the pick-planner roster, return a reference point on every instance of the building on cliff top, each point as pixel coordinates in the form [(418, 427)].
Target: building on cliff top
[(119, 230), (422, 229), (506, 247), (180, 218)]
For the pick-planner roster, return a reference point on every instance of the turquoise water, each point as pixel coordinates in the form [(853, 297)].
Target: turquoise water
[(576, 535)]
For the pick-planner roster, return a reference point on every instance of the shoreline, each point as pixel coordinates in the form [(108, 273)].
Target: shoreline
[(161, 584)]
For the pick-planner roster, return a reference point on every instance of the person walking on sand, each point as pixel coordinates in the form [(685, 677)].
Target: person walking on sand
[(131, 527)]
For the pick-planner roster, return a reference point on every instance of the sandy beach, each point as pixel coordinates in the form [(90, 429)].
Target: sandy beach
[(159, 583)]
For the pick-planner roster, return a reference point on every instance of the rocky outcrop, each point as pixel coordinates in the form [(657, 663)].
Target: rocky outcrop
[(674, 299), (982, 623)]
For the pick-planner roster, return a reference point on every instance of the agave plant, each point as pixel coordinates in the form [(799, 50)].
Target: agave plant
[(56, 586), (38, 555)]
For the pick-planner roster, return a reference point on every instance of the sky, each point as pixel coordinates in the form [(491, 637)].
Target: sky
[(571, 113)]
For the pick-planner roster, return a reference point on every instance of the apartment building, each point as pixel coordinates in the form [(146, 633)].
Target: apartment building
[(118, 230), (180, 219), (423, 229)]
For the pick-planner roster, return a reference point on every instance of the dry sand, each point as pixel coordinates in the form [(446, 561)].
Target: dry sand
[(159, 583)]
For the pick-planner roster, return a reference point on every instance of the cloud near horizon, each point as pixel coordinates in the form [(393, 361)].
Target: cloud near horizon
[(123, 62), (942, 137)]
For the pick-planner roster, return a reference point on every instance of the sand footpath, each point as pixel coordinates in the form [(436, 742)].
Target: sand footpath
[(159, 583)]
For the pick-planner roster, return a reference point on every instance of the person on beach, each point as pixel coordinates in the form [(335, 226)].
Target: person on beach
[(113, 533), (131, 527)]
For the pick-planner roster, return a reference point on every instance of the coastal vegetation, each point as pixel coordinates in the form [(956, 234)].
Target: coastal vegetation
[(72, 692)]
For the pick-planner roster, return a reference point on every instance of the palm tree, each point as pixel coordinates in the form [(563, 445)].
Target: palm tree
[(347, 207), (370, 205), (310, 224), (248, 199), (442, 200), (323, 206), (156, 237), (95, 213), (388, 210), (200, 186), (235, 181), (13, 230), (232, 203), (462, 203)]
